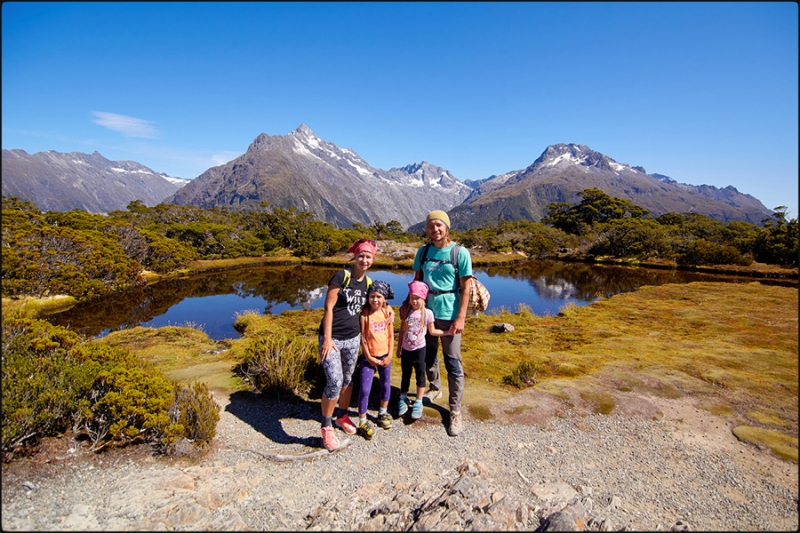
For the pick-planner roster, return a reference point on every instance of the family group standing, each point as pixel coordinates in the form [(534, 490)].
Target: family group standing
[(357, 317)]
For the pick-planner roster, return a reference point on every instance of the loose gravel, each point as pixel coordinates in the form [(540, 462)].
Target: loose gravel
[(653, 474)]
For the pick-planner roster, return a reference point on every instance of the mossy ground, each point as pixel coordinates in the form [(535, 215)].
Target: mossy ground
[(732, 347)]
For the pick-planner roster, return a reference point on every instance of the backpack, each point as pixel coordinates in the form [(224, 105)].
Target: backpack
[(478, 293), (346, 280)]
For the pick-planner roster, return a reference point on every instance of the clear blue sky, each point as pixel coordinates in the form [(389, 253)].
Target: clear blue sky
[(706, 93)]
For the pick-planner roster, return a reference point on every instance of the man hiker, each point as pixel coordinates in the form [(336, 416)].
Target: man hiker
[(447, 282)]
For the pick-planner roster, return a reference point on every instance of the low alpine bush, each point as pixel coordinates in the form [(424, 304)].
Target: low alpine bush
[(53, 383), (277, 362)]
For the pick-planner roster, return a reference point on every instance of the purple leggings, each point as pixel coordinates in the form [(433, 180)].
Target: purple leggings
[(367, 373)]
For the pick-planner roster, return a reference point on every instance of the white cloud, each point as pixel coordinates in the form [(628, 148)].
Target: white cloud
[(130, 126), (223, 157)]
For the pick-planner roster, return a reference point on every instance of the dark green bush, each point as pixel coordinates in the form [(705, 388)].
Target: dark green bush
[(703, 252)]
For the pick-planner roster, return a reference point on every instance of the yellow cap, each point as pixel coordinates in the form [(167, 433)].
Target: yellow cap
[(439, 215)]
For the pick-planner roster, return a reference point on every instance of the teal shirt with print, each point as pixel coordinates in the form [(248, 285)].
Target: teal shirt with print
[(440, 276)]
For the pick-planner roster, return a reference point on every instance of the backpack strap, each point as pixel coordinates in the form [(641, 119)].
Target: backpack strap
[(347, 277), (453, 261), (454, 251)]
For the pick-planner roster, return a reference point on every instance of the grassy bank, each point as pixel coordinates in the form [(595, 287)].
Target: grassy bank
[(733, 347)]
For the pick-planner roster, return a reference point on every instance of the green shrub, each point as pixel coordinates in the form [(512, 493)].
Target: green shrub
[(703, 252), (42, 382), (53, 382), (277, 362), (126, 405), (523, 375), (193, 415)]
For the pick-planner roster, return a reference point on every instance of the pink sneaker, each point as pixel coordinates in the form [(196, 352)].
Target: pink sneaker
[(345, 424), (329, 439)]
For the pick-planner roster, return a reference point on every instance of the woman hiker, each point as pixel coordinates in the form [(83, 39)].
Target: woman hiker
[(340, 338)]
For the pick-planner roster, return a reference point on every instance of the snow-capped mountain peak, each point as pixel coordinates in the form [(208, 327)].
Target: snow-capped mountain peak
[(559, 155)]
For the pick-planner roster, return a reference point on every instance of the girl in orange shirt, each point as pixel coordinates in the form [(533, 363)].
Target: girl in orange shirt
[(377, 345)]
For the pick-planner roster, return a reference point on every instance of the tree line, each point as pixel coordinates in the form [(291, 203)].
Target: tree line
[(54, 382), (89, 255)]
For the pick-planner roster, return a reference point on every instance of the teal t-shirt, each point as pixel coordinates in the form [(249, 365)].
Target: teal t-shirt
[(439, 275)]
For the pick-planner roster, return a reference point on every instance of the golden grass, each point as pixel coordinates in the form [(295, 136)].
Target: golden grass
[(183, 354), (781, 444), (29, 307), (733, 347)]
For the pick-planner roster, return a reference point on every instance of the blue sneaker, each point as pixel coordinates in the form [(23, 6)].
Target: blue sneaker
[(416, 409), (402, 407)]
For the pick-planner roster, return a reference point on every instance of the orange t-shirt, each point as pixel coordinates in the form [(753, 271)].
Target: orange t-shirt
[(377, 334)]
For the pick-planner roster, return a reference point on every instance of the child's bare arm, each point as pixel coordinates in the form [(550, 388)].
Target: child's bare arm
[(390, 325), (400, 337), (436, 332), (364, 348)]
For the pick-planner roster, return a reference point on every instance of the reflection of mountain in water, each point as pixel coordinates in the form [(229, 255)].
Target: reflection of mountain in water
[(555, 288), (307, 298), (294, 285)]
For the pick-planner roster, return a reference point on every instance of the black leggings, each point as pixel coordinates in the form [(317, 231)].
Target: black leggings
[(412, 359)]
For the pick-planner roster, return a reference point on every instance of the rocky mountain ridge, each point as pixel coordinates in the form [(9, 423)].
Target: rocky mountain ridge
[(563, 170), (57, 181), (301, 170)]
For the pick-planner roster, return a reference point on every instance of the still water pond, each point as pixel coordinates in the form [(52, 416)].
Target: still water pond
[(211, 301)]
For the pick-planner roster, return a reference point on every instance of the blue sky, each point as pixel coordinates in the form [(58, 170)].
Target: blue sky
[(706, 93)]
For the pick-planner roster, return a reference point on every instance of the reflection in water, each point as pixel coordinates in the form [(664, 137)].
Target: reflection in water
[(293, 287), (555, 289), (212, 299)]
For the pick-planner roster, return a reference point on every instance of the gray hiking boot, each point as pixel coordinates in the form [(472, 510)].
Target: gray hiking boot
[(431, 395), (455, 426)]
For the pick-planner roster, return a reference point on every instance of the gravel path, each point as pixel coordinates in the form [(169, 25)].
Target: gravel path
[(683, 471)]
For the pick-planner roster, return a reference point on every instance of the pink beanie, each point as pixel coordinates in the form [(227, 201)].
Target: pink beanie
[(418, 288)]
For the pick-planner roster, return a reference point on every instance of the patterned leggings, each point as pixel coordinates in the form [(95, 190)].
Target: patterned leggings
[(339, 366)]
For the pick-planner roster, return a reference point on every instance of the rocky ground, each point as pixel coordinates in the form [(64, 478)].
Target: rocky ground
[(659, 464)]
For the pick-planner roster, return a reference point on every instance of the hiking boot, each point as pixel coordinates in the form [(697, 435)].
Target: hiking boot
[(416, 410), (365, 430), (402, 407), (431, 395), (455, 426), (345, 424), (329, 439), (385, 420)]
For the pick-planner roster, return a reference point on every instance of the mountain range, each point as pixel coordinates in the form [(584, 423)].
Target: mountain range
[(57, 181), (302, 171), (563, 170)]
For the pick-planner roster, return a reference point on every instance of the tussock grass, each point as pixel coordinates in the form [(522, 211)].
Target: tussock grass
[(781, 444), (184, 354), (30, 307), (733, 347)]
